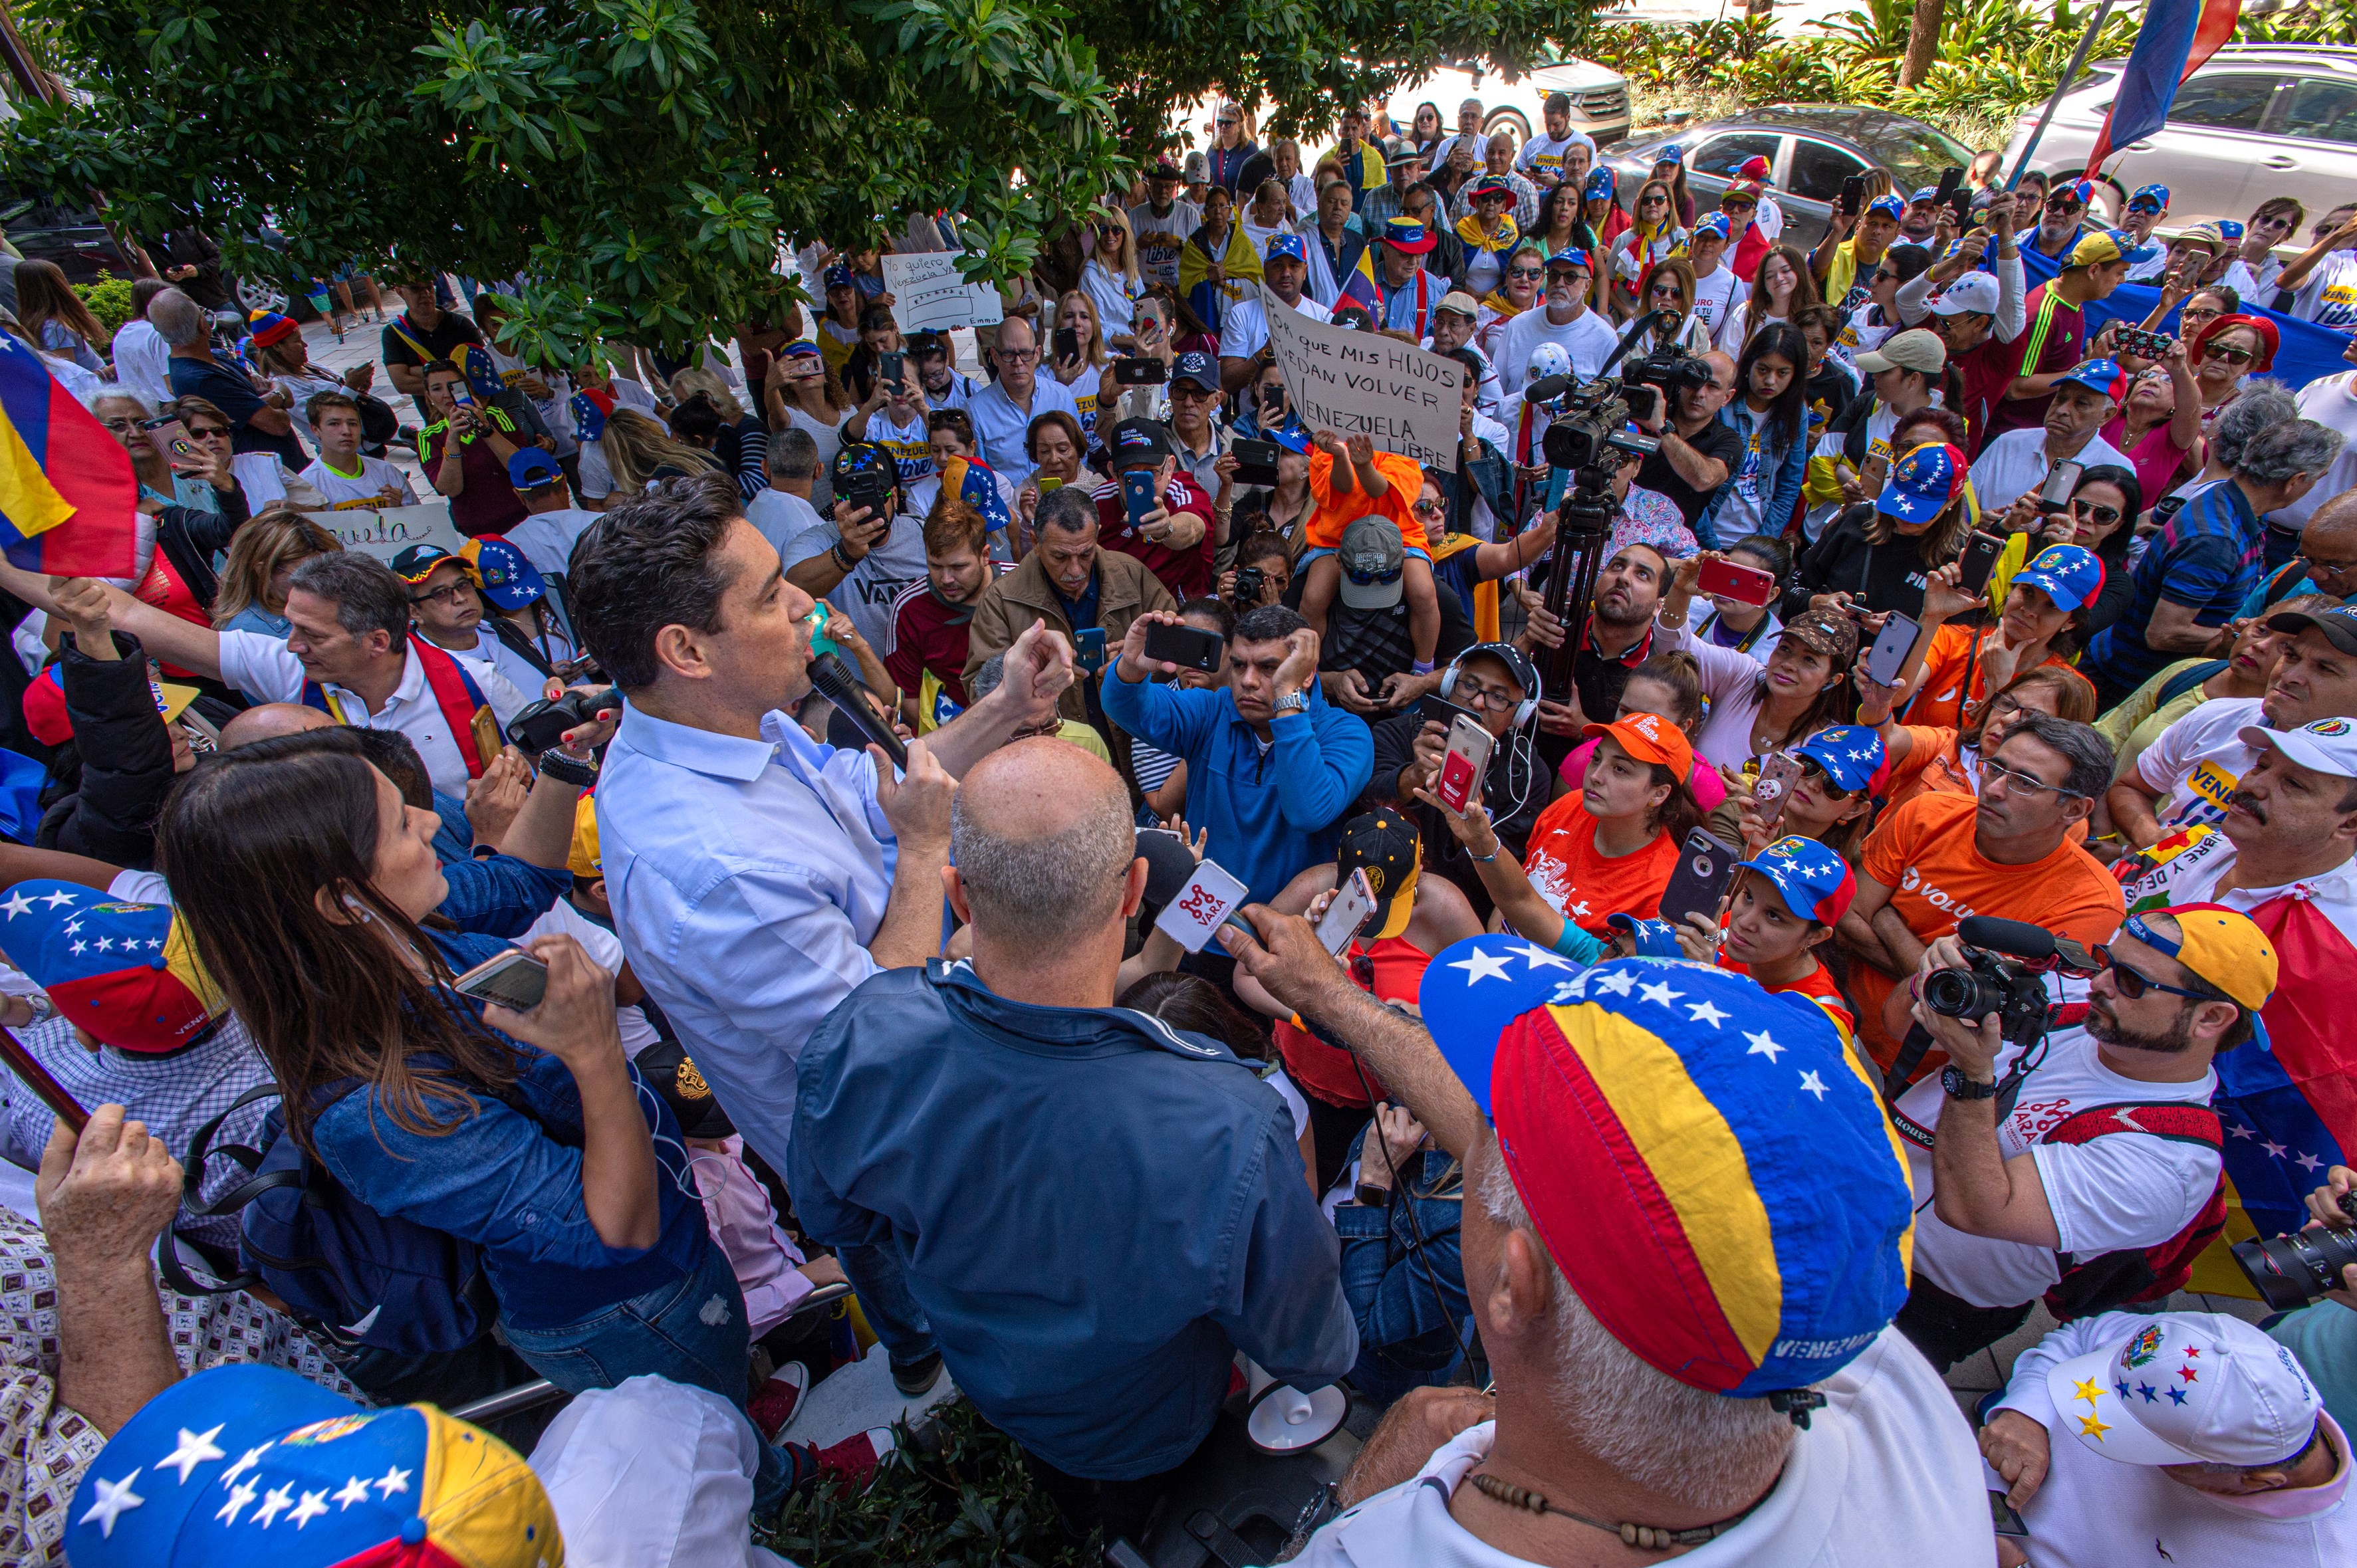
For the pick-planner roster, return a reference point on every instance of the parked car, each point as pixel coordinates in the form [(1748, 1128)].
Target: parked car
[(2256, 120), (72, 238), (1811, 148), (1600, 98)]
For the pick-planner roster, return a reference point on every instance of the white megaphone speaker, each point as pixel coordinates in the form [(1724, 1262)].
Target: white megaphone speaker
[(1281, 1419)]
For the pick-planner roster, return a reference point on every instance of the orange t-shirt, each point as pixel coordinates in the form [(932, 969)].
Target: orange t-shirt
[(1935, 766), (1586, 887), (1923, 852), (1817, 986), (1337, 512), (1941, 698)]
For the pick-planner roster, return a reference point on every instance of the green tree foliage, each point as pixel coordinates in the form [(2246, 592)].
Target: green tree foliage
[(638, 161)]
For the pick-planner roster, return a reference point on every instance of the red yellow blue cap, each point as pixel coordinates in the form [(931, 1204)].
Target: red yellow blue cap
[(125, 975)]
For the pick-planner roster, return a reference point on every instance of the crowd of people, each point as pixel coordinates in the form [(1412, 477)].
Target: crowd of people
[(728, 882)]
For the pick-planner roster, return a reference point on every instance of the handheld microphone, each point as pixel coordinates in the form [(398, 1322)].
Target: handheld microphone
[(838, 685)]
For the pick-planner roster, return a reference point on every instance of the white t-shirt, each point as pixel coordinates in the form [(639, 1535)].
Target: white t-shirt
[(2329, 401), (2328, 297), (2198, 759), (2016, 462), (143, 361), (1589, 341), (1159, 240), (596, 474), (2096, 1512), (1243, 325), (1886, 1473), (911, 456), (866, 592), (1719, 298), (605, 949), (2120, 1191), (1544, 155), (783, 517), (546, 538), (360, 489)]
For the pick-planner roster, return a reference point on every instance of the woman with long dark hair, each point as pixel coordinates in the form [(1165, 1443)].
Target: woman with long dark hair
[(53, 314), (1757, 708), (1770, 412), (306, 885)]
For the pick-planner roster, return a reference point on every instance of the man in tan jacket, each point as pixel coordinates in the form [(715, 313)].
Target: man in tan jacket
[(1074, 585)]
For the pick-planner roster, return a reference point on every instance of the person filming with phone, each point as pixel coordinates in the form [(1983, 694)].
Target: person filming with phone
[(1495, 686)]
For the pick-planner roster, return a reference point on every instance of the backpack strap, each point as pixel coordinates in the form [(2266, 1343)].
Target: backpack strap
[(462, 703), (2184, 680)]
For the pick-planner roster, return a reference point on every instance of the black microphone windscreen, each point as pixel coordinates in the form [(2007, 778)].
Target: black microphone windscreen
[(1546, 389), (1169, 863), (838, 685), (2017, 938)]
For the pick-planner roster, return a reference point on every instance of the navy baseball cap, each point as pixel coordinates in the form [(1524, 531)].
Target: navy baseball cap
[(530, 468), (1851, 755), (1138, 441), (1197, 368)]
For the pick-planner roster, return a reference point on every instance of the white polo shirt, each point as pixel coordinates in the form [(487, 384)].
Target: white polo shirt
[(546, 538), (999, 425), (265, 670), (1886, 1473), (2016, 463)]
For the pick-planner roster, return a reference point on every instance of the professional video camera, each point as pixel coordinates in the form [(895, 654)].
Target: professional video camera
[(2292, 1270)]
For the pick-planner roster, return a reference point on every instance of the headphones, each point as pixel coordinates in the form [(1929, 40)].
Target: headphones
[(1517, 664)]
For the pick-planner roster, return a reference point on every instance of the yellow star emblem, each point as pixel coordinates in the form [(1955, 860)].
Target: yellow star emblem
[(2092, 1426), (2088, 1391)]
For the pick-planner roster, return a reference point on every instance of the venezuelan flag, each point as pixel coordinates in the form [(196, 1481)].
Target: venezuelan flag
[(69, 500), (1360, 287)]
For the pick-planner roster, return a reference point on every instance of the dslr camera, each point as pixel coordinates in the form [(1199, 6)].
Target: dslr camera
[(2292, 1270), (2006, 965), (1244, 593)]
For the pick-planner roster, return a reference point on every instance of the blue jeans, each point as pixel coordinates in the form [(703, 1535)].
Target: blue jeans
[(691, 1331), (874, 1271)]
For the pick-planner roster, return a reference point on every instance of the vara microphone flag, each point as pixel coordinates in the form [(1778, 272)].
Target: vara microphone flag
[(2177, 38), (69, 500)]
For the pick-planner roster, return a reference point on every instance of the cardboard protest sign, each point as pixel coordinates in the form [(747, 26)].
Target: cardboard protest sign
[(386, 534), (1403, 398), (928, 295)]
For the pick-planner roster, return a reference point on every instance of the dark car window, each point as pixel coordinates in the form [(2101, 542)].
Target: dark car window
[(1819, 169), (2235, 102), (2323, 109), (1722, 156), (1917, 155)]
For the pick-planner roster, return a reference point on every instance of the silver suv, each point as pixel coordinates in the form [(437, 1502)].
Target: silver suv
[(2256, 120)]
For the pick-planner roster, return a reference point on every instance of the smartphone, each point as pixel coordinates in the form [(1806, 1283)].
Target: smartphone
[(1256, 462), (172, 441), (1978, 561), (1464, 763), (1188, 646), (868, 490), (1705, 869), (888, 366), (1347, 915), (1088, 649), (2002, 1516), (1138, 373), (2138, 344), (1773, 788), (1853, 196), (1889, 655), (1433, 708), (462, 395), (1047, 482), (1066, 344), (2061, 483), (1951, 180), (1140, 494), (1744, 585), (513, 979)]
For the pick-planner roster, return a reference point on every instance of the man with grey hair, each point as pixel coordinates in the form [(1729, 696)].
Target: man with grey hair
[(2194, 574), (1131, 1210), (256, 410), (1625, 1424)]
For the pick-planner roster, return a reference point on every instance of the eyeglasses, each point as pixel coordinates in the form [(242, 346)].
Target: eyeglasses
[(447, 593), (2191, 314), (2135, 982), (2227, 355), (2103, 516), (127, 423), (1018, 356), (1497, 699), (2027, 783)]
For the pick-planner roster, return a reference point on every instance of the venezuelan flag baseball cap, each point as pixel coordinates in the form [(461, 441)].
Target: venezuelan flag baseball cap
[(2150, 198), (1647, 938), (589, 408), (1407, 235), (46, 716), (1706, 1163), (2102, 377), (125, 975), (248, 1463), (1815, 883), (2068, 573), (2102, 246), (509, 580), (1889, 206), (1286, 243), (1713, 223), (1851, 755), (1922, 482), (2216, 945)]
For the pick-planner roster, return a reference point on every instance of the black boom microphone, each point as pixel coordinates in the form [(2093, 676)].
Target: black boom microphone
[(838, 685)]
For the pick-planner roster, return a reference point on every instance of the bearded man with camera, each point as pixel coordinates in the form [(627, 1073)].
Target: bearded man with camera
[(2070, 1152)]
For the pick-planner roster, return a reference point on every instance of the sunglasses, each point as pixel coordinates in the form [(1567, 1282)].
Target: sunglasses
[(1813, 769), (2220, 351), (2064, 204), (2135, 982), (1367, 579), (1527, 275), (2104, 515), (1428, 509), (1656, 201), (1664, 291), (2143, 206)]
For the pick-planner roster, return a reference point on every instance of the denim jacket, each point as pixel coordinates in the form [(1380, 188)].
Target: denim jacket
[(509, 1180), (1391, 1279), (1781, 468)]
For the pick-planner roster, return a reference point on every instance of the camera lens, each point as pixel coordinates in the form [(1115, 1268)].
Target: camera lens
[(2292, 1270), (1962, 994)]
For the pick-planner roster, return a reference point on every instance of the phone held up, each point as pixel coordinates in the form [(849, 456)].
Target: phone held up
[(1978, 561), (514, 979), (1347, 915), (1139, 494), (1744, 585), (1705, 869), (1778, 773), (1188, 646), (1465, 761), (1889, 655), (1853, 196)]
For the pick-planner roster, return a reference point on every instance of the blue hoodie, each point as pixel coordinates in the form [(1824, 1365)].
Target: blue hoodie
[(1271, 816)]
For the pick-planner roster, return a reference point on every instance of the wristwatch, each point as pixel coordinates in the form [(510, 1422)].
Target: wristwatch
[(1369, 1196), (1959, 1087), (1291, 703)]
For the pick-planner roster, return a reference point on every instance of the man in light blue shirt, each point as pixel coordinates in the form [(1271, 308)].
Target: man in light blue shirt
[(756, 874), (1003, 411)]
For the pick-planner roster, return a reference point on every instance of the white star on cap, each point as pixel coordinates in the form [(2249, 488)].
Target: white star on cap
[(114, 1498), (1620, 983), (313, 1505), (60, 897), (1479, 966), (18, 906), (2242, 1132), (352, 1491), (238, 1496), (73, 928), (80, 949), (392, 1481), (1539, 958), (106, 944), (1659, 992), (195, 1448), (274, 1501), (1763, 1044), (245, 1461), (1704, 1012), (1814, 1085)]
